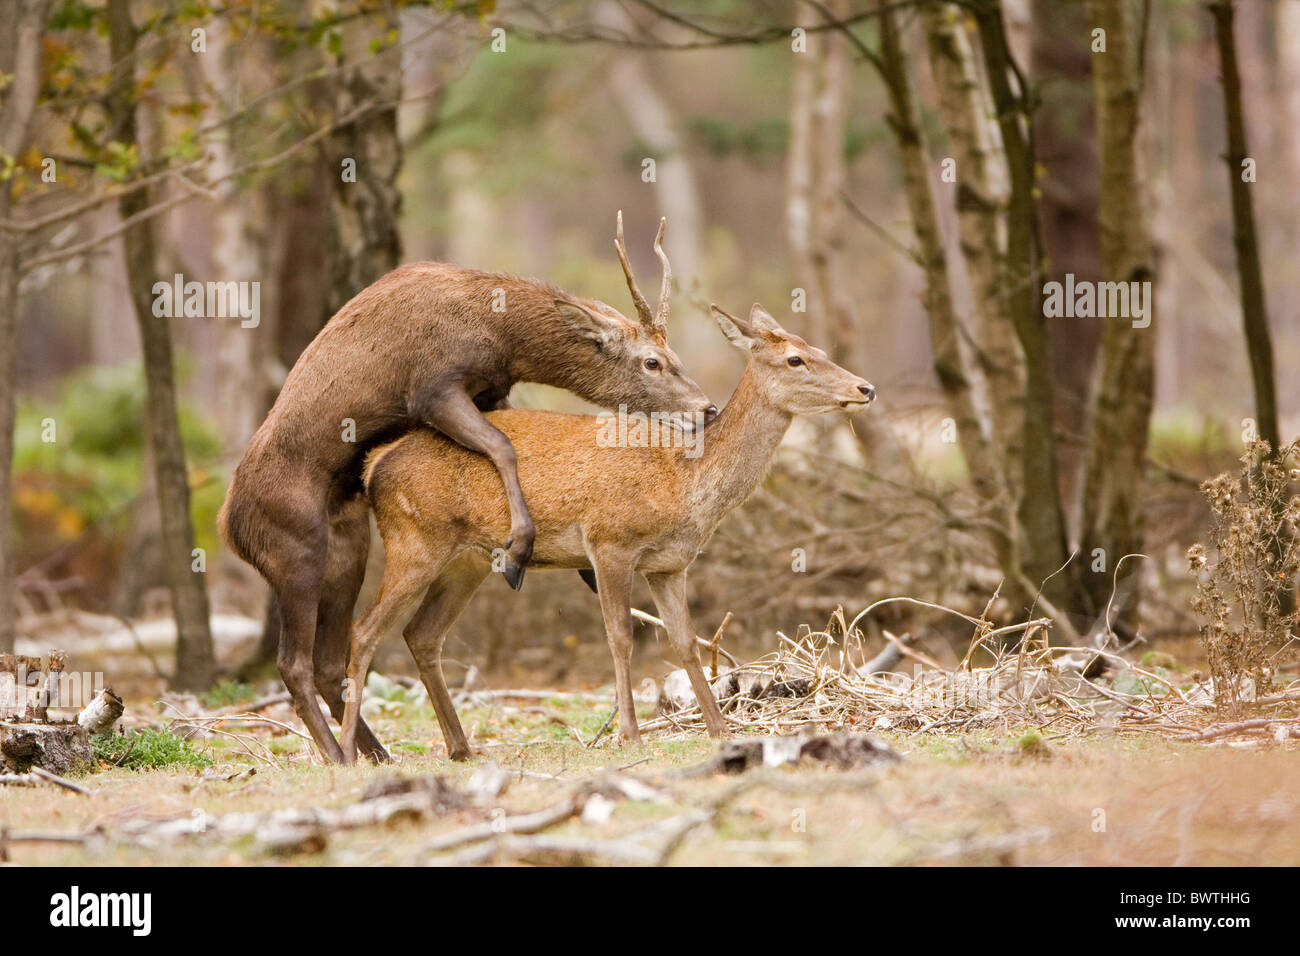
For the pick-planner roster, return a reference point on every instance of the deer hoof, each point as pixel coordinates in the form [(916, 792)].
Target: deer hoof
[(514, 574)]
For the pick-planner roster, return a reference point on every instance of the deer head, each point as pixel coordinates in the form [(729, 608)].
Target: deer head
[(789, 373), (637, 367)]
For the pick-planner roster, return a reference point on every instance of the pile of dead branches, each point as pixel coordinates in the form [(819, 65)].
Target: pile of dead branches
[(1021, 682)]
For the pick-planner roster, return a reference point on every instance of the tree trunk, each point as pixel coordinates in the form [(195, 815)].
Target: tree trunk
[(1041, 515), (958, 374), (830, 179), (367, 243), (237, 221), (676, 188), (799, 175), (1287, 26), (1259, 343), (22, 26), (1067, 208), (194, 656), (8, 354), (828, 283), (1123, 389), (981, 199)]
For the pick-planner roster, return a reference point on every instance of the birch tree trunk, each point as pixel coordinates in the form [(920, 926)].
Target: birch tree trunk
[(829, 122), (799, 176), (194, 657), (828, 279), (1287, 26), (22, 26), (957, 376), (960, 377), (237, 218), (1124, 386), (981, 201), (676, 188), (650, 117)]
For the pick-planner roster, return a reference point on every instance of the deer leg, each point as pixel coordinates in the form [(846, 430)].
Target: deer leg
[(399, 597), (669, 592), (345, 568), (614, 586), (447, 598), (299, 595), (454, 413)]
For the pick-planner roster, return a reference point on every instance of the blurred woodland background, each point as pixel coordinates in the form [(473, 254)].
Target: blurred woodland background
[(897, 181)]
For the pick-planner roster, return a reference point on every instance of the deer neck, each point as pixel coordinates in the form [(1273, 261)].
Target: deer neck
[(542, 349), (738, 449)]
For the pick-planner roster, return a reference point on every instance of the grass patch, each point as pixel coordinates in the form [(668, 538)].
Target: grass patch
[(409, 747), (227, 694), (148, 750)]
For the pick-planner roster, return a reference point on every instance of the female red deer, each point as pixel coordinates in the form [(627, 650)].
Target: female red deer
[(618, 510)]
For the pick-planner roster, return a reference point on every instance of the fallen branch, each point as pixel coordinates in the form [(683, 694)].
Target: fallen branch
[(1243, 726), (9, 837), (1000, 845), (526, 694), (520, 823), (58, 781), (555, 851), (888, 658), (258, 705), (658, 622), (300, 828)]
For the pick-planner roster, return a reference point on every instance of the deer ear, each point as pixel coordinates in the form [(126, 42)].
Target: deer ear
[(762, 320), (737, 331), (597, 327)]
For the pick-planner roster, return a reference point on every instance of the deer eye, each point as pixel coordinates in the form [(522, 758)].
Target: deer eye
[(652, 364), (794, 361)]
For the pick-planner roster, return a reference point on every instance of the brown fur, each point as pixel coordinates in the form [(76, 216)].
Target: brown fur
[(618, 510), (423, 345), (371, 363)]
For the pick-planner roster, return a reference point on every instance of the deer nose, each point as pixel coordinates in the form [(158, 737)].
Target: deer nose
[(710, 413), (868, 391)]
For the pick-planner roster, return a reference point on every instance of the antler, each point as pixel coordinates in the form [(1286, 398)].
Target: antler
[(660, 323), (658, 320)]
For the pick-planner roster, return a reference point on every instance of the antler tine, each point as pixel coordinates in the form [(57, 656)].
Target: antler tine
[(660, 323), (642, 306)]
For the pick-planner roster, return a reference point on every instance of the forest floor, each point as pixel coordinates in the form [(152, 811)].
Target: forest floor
[(1010, 797)]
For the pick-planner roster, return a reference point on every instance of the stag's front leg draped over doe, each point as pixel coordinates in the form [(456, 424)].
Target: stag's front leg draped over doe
[(453, 412)]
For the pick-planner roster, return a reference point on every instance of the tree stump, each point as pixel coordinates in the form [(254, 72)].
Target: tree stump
[(59, 748), (28, 687)]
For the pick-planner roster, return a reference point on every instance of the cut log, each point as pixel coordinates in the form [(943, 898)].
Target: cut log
[(102, 713), (678, 695)]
